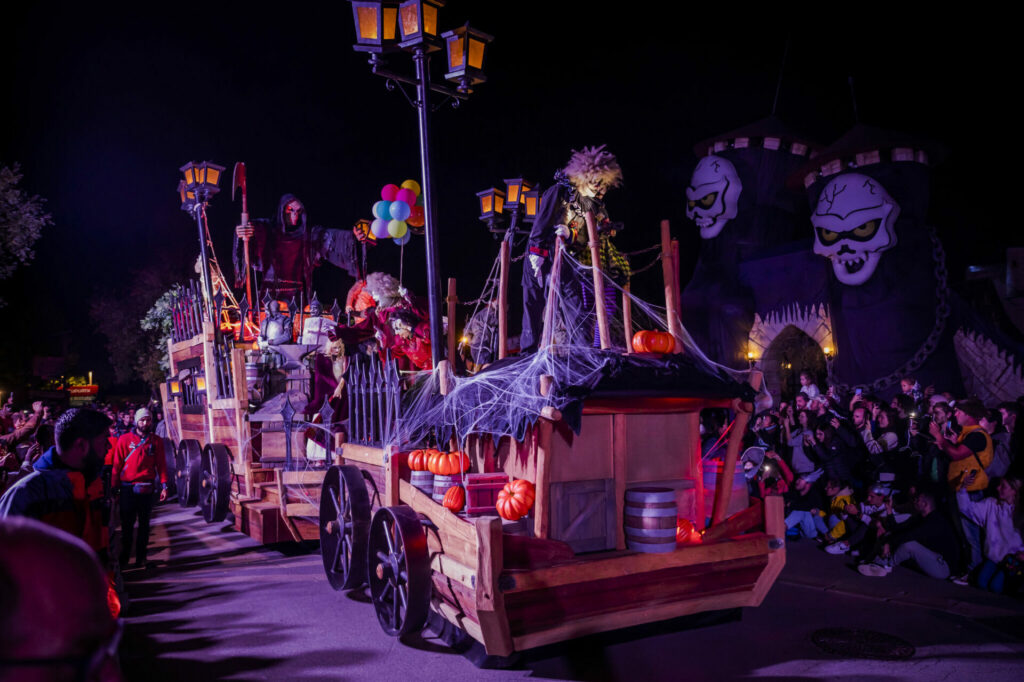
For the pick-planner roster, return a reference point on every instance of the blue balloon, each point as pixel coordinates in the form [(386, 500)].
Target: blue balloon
[(382, 210), (400, 210), (403, 240), (379, 228)]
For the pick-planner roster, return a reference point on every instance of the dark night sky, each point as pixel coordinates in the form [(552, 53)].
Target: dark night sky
[(103, 106)]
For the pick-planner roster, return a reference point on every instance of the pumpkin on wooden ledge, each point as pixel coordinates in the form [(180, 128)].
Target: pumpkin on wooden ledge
[(454, 499), (647, 341), (686, 532), (515, 499), (447, 463), (418, 460)]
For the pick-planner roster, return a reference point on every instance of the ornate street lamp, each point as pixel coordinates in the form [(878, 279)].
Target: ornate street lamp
[(417, 22), (465, 47), (201, 182), (492, 205)]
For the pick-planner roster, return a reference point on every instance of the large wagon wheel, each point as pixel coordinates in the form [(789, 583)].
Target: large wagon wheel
[(215, 486), (191, 454), (398, 570), (344, 527)]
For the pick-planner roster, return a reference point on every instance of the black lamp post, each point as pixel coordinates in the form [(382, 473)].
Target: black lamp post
[(417, 35), (198, 187)]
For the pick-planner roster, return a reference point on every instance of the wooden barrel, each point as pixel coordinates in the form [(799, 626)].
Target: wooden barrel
[(252, 374), (650, 521), (442, 483), (423, 481), (738, 500)]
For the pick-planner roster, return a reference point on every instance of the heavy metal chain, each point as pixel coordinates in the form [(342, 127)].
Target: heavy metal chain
[(942, 311)]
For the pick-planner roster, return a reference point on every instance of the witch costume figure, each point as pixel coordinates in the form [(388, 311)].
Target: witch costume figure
[(579, 188), (286, 250)]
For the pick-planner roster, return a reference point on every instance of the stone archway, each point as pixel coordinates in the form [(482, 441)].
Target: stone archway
[(784, 342), (789, 353)]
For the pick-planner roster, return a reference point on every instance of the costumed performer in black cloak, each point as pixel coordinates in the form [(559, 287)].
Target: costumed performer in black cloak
[(579, 187), (287, 251)]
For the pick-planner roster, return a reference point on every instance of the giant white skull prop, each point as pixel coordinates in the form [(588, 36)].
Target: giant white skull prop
[(712, 199), (853, 224)]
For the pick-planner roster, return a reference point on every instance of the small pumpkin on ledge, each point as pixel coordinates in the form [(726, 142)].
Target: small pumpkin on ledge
[(515, 499), (454, 499), (647, 341)]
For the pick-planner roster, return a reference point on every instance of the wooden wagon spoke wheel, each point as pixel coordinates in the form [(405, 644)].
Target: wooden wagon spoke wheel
[(215, 482), (191, 454), (398, 570), (344, 527)]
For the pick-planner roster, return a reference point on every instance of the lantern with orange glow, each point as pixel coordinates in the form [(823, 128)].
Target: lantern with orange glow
[(465, 48), (492, 203), (376, 25), (417, 21), (201, 180), (531, 205)]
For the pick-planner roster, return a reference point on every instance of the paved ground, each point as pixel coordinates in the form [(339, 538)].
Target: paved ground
[(220, 607)]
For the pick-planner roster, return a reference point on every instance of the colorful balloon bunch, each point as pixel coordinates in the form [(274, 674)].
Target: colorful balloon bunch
[(399, 209)]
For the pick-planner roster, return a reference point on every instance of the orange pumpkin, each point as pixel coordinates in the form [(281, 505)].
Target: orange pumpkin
[(661, 342), (447, 463), (454, 499), (418, 460), (686, 532), (641, 340), (515, 499)]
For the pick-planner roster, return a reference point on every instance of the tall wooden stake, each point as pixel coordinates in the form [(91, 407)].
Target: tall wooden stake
[(595, 260), (724, 490), (671, 292), (452, 331), (627, 317), (503, 301)]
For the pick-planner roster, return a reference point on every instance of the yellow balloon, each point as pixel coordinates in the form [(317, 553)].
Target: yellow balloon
[(413, 185)]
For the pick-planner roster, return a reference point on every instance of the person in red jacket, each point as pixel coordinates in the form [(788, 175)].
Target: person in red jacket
[(138, 459)]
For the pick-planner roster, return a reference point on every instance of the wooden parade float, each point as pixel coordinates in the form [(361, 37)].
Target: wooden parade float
[(612, 539), (230, 455)]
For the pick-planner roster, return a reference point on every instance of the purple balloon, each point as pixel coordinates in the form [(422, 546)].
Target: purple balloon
[(403, 240), (379, 228), (400, 210), (389, 192), (406, 195)]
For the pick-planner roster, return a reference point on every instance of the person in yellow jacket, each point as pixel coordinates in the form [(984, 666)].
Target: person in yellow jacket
[(970, 453), (839, 497)]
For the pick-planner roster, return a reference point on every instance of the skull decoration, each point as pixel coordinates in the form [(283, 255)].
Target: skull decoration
[(712, 199), (853, 224)]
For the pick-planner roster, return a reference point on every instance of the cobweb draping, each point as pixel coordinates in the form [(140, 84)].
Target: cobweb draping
[(504, 399)]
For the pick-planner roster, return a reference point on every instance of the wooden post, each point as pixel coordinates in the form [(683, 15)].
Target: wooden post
[(549, 307), (452, 300), (503, 301), (732, 451), (671, 293), (675, 270), (490, 602), (542, 501), (595, 261), (627, 317)]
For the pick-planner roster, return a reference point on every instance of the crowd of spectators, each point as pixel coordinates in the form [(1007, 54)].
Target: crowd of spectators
[(926, 480)]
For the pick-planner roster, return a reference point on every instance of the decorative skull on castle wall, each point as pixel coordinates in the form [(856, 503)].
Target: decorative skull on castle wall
[(712, 199), (853, 224)]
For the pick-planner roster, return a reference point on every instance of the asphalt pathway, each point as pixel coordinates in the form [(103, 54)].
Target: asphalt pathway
[(217, 606)]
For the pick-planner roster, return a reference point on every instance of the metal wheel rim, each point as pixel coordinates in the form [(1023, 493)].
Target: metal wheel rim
[(398, 570), (344, 522)]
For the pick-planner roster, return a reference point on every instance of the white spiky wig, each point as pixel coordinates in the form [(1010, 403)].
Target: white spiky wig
[(593, 164)]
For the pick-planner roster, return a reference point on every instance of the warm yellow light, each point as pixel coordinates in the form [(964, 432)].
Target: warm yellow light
[(531, 205), (367, 22), (750, 355), (476, 54), (410, 19), (499, 203), (456, 55), (200, 383), (390, 15), (175, 388), (212, 176), (429, 19), (486, 204), (828, 350), (189, 178)]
